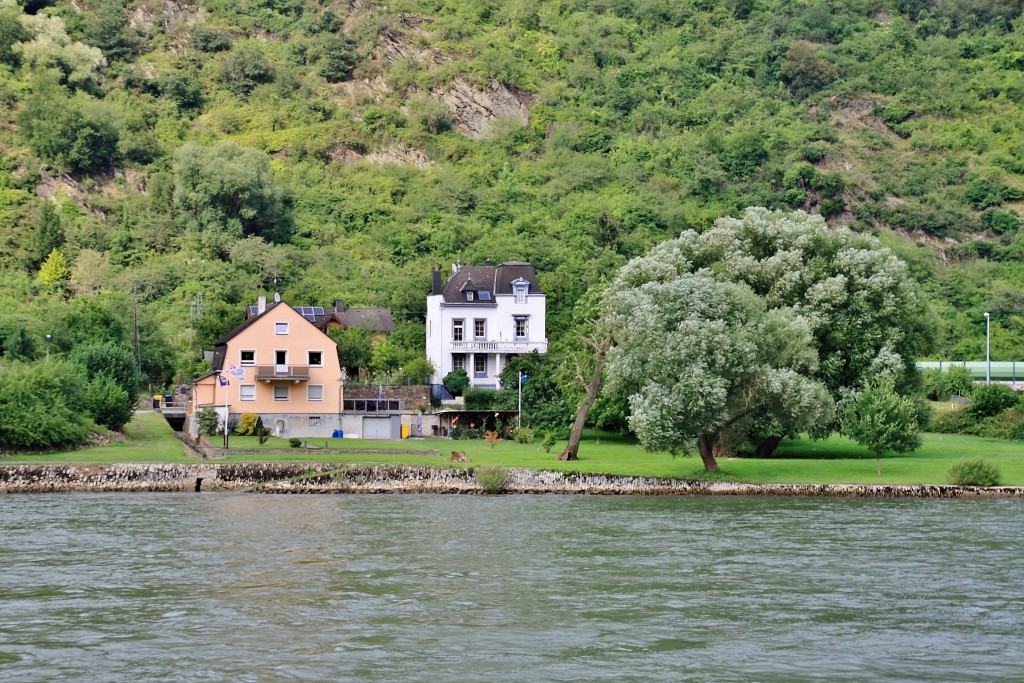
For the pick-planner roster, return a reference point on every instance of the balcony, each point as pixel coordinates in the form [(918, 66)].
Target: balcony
[(282, 373), (480, 346)]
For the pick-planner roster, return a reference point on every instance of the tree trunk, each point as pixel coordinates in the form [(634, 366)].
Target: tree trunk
[(878, 464), (572, 449), (600, 346), (767, 447), (706, 444)]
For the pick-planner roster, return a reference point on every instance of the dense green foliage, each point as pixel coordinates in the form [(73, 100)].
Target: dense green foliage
[(205, 155), (974, 472), (40, 405), (881, 420)]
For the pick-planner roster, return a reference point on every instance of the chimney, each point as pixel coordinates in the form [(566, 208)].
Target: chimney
[(488, 262), (339, 305), (456, 266), (261, 305), (435, 283)]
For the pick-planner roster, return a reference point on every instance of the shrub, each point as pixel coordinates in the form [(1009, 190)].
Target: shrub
[(34, 406), (108, 404), (456, 382), (208, 422), (209, 40), (262, 433), (992, 399), (549, 441), (492, 479), (295, 443), (974, 472), (523, 434), (247, 427), (491, 437)]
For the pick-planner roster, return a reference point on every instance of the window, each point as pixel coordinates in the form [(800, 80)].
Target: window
[(315, 392), (280, 328), (280, 392), (458, 328), (247, 392), (521, 294), (484, 295), (479, 328), (316, 359), (519, 328), (469, 295), (458, 361), (281, 357), (480, 364), (314, 420), (247, 357)]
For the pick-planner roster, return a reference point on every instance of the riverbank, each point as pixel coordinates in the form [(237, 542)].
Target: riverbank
[(322, 478)]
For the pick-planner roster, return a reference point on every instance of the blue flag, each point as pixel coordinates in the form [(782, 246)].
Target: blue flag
[(223, 380), (522, 378)]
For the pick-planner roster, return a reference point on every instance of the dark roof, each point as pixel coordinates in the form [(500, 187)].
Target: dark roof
[(494, 280), (372, 319), (220, 346)]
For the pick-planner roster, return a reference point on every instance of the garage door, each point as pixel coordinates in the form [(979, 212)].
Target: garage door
[(376, 427)]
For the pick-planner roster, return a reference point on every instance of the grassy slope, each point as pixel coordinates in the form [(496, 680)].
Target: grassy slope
[(836, 460)]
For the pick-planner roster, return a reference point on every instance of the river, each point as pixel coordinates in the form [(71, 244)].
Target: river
[(241, 587)]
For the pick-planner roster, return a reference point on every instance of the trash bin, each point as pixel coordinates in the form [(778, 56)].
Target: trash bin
[(168, 399), (156, 401), (338, 434), (405, 431)]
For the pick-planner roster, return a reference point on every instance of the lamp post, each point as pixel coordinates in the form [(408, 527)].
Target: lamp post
[(988, 349), (47, 347)]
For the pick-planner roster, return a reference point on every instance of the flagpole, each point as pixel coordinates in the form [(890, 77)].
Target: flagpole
[(226, 415), (519, 413)]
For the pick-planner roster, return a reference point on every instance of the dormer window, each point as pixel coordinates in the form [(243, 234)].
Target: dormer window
[(520, 292), (469, 295)]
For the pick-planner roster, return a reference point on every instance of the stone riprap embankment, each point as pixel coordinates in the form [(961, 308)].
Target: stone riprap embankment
[(328, 478)]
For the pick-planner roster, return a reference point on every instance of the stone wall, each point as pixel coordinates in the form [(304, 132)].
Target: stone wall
[(332, 478), (408, 395)]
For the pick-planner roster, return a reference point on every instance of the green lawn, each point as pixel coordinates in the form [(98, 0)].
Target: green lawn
[(800, 461)]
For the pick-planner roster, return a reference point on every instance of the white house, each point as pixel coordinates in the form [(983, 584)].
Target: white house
[(483, 316)]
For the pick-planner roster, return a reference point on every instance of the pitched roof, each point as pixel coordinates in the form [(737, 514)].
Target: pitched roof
[(492, 279), (373, 319)]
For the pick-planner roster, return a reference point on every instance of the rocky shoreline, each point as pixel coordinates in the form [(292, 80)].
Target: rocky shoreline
[(331, 478)]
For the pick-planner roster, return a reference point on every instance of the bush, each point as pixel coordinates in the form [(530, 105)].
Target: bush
[(549, 441), (493, 479), (208, 40), (247, 427), (295, 443), (992, 399), (974, 472), (35, 400), (262, 433), (523, 434), (208, 422), (456, 382), (107, 403)]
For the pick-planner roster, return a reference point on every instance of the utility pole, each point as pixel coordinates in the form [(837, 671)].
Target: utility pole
[(988, 349)]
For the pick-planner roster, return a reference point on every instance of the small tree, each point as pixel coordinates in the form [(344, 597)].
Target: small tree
[(54, 272), (262, 433), (208, 421), (881, 420), (456, 381), (107, 403)]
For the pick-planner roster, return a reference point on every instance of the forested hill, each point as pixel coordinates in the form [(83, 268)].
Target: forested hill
[(202, 153)]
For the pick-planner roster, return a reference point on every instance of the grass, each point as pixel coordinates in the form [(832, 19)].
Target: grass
[(799, 461), (150, 439)]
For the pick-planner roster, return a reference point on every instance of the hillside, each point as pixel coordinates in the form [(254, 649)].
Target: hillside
[(199, 154)]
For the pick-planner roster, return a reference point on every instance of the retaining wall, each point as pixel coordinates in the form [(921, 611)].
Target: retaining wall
[(332, 478)]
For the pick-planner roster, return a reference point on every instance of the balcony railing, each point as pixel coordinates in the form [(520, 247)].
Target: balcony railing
[(500, 346), (281, 373)]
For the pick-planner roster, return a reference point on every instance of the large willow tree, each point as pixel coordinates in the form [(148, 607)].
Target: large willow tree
[(755, 326)]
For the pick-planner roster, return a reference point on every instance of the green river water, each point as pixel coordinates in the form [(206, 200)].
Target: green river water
[(241, 587)]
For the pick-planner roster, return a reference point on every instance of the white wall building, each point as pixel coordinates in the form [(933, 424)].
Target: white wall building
[(481, 317)]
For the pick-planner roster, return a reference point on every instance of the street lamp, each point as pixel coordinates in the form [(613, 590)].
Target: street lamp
[(47, 346), (988, 349)]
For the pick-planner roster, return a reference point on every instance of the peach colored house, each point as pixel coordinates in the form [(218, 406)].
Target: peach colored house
[(279, 365)]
